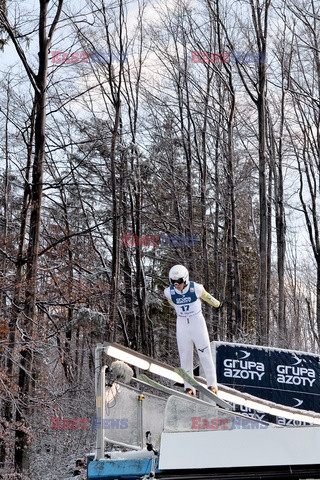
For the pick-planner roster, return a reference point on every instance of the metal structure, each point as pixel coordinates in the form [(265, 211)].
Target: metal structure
[(191, 438)]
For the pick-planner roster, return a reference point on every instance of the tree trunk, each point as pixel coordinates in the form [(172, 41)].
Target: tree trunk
[(260, 21), (39, 83), (26, 360)]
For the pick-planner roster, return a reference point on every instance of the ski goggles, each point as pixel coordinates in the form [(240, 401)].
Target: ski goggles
[(179, 281)]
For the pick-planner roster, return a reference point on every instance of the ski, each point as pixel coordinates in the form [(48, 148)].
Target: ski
[(144, 379), (202, 388)]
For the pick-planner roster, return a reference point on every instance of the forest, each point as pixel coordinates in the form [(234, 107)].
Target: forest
[(140, 134)]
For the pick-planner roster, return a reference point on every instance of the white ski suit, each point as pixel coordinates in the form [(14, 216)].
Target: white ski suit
[(192, 328)]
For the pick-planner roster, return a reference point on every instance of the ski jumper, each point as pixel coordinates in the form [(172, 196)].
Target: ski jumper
[(192, 329)]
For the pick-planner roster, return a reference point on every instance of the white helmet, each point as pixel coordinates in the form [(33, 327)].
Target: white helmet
[(179, 274)]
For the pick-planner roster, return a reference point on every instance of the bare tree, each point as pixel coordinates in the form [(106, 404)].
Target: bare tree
[(304, 132), (38, 82)]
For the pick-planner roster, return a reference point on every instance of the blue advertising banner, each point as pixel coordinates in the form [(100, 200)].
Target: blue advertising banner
[(281, 376), (243, 367), (295, 379)]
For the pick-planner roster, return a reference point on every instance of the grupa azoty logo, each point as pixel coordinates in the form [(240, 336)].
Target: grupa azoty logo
[(295, 374), (298, 402), (243, 368)]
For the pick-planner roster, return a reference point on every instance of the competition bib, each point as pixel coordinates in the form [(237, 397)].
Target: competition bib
[(186, 304)]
